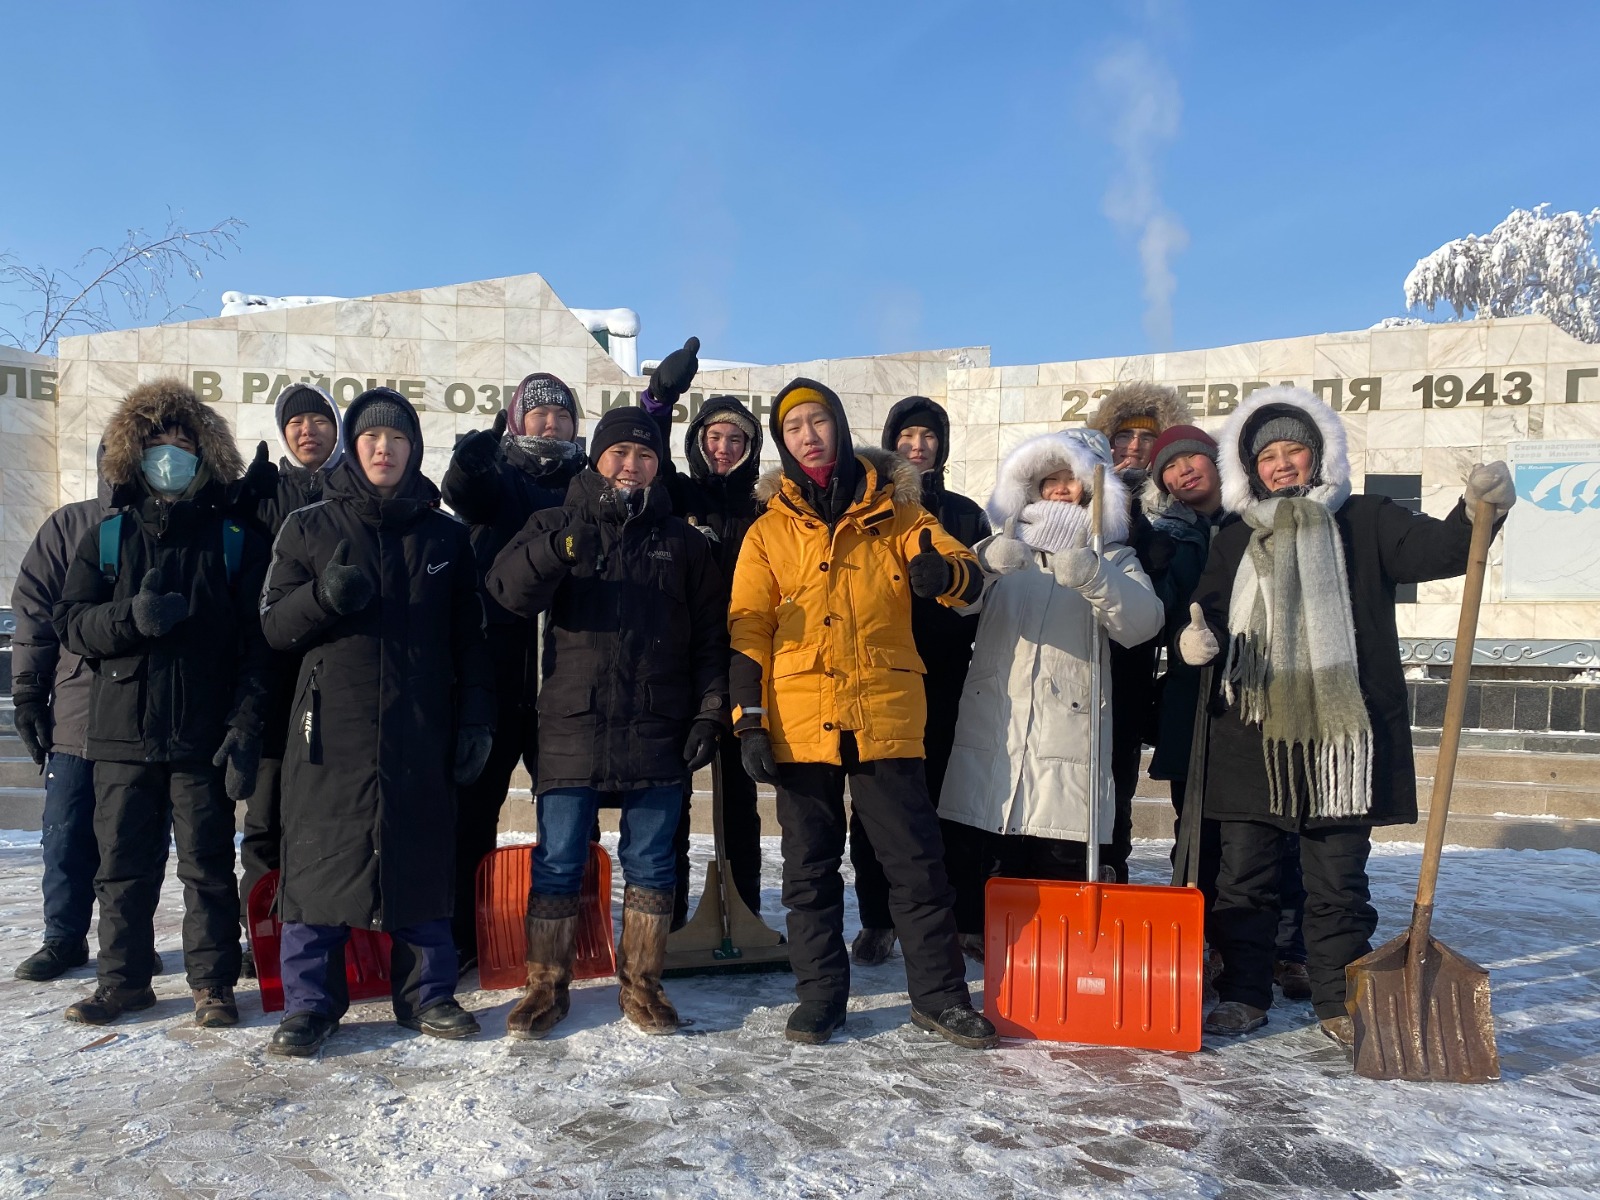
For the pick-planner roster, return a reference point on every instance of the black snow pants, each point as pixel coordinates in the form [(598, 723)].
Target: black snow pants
[(261, 837), (134, 803), (1339, 917), (891, 797)]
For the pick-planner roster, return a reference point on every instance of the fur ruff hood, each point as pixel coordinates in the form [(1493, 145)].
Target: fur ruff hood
[(1237, 469), (1080, 449), (904, 480), (1139, 398), (151, 407)]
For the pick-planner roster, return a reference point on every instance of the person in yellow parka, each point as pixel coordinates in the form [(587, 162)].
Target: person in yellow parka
[(826, 685)]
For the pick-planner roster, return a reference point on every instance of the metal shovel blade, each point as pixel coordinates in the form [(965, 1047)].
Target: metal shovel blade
[(1421, 1013)]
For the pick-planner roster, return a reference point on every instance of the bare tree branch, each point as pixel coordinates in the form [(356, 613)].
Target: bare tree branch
[(110, 286)]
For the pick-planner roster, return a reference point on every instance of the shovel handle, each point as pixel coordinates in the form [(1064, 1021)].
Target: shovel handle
[(1096, 692), (1455, 703)]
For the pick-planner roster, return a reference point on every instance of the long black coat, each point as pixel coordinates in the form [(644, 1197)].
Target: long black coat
[(723, 504), (1187, 537), (1384, 546), (172, 698), (368, 794), (633, 651)]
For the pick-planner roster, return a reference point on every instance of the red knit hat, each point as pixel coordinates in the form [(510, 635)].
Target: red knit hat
[(1176, 440)]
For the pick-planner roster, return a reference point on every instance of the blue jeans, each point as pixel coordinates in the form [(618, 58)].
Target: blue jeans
[(71, 854), (566, 818)]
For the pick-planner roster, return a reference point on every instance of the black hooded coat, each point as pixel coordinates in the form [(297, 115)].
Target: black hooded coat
[(943, 635), (171, 698), (368, 792), (635, 645), (724, 505)]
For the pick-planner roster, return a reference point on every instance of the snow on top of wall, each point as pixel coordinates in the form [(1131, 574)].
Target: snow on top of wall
[(238, 303)]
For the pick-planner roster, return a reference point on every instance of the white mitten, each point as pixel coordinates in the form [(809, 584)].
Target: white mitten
[(1004, 553), (1197, 643), (1075, 568), (1491, 482)]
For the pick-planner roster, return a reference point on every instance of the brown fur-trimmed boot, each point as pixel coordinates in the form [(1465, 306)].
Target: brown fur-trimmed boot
[(646, 913), (552, 943)]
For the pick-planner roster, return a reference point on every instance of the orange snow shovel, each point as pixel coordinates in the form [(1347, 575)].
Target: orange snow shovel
[(1421, 1011), (1103, 964), (366, 953), (502, 887)]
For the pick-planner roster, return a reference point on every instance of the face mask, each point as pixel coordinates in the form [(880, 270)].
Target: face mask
[(169, 469)]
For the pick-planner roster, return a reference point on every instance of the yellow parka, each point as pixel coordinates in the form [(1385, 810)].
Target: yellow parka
[(826, 615)]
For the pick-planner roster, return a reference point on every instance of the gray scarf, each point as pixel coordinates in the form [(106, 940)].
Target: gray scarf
[(1292, 661)]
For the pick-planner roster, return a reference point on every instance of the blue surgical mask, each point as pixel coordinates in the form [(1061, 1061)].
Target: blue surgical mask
[(169, 469)]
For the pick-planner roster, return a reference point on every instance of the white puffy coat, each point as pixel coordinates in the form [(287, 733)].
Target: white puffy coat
[(1020, 764)]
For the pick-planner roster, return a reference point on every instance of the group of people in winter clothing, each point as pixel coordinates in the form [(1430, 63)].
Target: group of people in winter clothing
[(320, 640)]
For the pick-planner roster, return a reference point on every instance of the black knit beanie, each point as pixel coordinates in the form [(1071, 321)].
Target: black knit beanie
[(625, 424), (300, 400)]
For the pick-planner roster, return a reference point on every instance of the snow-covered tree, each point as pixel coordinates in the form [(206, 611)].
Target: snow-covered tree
[(1535, 262)]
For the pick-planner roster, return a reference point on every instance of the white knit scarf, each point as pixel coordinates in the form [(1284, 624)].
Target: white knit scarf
[(1292, 661), (1054, 525)]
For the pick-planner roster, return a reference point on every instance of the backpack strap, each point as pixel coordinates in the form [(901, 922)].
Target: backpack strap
[(232, 548), (110, 546)]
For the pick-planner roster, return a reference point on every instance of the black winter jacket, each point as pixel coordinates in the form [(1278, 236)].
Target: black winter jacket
[(1384, 546), (1187, 537), (36, 651), (167, 699), (635, 648), (368, 793), (724, 505)]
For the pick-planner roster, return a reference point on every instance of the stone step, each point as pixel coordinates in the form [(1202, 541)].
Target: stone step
[(21, 808), (1517, 766), (19, 771)]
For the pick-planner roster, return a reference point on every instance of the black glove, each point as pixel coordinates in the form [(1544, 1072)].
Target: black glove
[(343, 589), (241, 753), (1159, 549), (701, 747), (261, 479), (578, 545), (155, 613), (755, 752), (930, 574), (477, 453), (472, 752), (675, 372), (32, 701)]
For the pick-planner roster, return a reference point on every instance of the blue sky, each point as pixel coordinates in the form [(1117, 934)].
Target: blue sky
[(816, 180)]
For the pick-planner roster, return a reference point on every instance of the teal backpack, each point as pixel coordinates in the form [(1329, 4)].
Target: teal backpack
[(111, 546)]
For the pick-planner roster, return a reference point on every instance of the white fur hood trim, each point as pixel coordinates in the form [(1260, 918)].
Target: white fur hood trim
[(1037, 457), (1236, 469)]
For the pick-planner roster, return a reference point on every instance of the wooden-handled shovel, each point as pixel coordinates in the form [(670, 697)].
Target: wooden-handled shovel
[(1421, 1011)]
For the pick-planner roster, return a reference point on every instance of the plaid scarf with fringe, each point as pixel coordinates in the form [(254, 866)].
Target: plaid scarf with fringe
[(1292, 661)]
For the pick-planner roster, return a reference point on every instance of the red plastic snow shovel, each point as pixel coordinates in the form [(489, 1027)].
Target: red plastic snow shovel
[(1103, 964), (502, 888), (366, 954), (1421, 1011)]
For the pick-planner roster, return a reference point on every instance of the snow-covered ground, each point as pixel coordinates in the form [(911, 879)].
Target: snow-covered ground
[(731, 1109)]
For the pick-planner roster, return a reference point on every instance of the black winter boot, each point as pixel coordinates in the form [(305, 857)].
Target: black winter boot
[(814, 1022), (301, 1035), (108, 1003), (446, 1019), (960, 1024), (52, 959), (214, 1007)]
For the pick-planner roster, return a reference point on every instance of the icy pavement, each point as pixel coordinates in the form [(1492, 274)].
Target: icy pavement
[(731, 1109)]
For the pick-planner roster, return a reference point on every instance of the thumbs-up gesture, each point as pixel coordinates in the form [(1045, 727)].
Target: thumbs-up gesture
[(343, 589), (261, 477), (1197, 644), (155, 613), (930, 574), (675, 372), (1004, 553)]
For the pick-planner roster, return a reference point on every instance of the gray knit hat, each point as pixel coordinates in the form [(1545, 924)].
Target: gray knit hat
[(1281, 423), (381, 406)]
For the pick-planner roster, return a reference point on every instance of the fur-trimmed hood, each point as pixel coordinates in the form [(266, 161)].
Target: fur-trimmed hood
[(1017, 484), (150, 408), (1237, 468), (904, 480), (1139, 397)]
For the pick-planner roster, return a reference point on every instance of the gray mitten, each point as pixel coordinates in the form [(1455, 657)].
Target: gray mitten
[(343, 589), (1075, 568), (241, 754), (155, 613), (1490, 482), (1003, 554), (1197, 644)]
